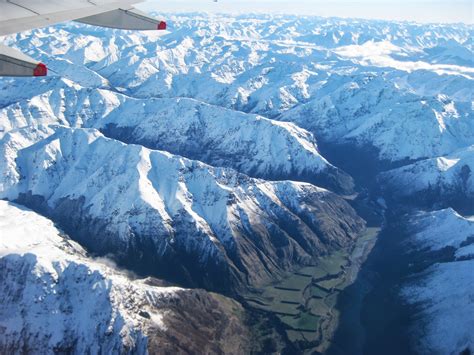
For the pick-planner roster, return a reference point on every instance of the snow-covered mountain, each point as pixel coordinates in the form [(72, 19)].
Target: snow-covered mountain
[(259, 64), (443, 293), (369, 110), (57, 299), (170, 216), (251, 144), (449, 178), (404, 89)]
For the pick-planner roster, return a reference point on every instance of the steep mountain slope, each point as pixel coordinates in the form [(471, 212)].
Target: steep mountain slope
[(173, 217), (57, 299), (443, 291), (449, 179), (369, 110), (251, 144)]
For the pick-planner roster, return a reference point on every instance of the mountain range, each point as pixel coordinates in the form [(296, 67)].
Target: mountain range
[(219, 157)]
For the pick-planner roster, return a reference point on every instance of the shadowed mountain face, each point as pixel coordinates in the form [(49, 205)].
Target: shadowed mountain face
[(168, 216), (251, 144), (442, 181), (441, 282), (194, 157)]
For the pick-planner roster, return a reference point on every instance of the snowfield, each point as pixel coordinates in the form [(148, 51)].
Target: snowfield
[(443, 176)]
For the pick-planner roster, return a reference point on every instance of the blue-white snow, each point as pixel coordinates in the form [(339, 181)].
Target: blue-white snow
[(444, 290)]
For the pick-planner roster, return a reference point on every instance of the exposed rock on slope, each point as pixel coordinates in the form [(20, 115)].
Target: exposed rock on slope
[(172, 217), (57, 299)]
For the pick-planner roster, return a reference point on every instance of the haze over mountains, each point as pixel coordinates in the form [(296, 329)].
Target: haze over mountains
[(220, 155)]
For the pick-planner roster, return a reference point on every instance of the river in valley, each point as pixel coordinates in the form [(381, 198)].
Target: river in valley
[(306, 303), (374, 319), (350, 304)]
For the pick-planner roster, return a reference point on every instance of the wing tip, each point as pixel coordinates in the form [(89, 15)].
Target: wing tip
[(40, 70), (161, 26)]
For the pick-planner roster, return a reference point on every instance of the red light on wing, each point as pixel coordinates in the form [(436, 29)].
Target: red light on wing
[(40, 70), (161, 26)]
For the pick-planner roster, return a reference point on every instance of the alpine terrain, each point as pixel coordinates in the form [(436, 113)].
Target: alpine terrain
[(239, 184)]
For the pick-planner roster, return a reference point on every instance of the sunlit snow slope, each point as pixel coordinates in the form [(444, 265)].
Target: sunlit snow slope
[(172, 216)]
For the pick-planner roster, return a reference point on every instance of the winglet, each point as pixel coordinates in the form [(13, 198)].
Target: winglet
[(15, 63)]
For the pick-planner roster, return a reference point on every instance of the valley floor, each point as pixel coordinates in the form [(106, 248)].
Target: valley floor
[(373, 315), (306, 301)]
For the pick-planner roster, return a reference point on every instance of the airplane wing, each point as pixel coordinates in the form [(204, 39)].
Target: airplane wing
[(21, 15)]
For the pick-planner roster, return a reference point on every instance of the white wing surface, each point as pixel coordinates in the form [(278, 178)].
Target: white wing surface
[(21, 15)]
